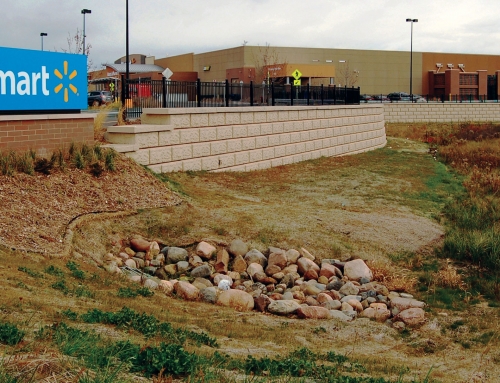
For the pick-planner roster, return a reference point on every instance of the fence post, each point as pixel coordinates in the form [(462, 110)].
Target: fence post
[(226, 85), (358, 94), (122, 96), (272, 94), (322, 96), (198, 93), (335, 95), (251, 93), (308, 93), (164, 92), (291, 94)]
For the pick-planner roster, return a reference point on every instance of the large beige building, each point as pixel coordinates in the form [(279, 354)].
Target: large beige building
[(374, 71)]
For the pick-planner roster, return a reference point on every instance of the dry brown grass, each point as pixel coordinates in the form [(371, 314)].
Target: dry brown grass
[(394, 278)]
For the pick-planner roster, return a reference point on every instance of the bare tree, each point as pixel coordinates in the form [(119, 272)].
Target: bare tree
[(347, 76), (269, 66), (75, 45)]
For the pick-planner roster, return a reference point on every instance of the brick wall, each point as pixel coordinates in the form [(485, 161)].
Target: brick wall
[(441, 112), (44, 133), (243, 139)]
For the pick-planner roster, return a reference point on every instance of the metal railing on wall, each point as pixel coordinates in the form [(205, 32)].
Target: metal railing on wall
[(173, 94), (451, 98)]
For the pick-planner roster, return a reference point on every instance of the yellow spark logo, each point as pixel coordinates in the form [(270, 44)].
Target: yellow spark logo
[(72, 75)]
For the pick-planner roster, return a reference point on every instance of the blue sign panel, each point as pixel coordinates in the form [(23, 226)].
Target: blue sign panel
[(38, 80)]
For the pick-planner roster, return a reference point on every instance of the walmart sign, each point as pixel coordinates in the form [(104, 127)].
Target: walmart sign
[(37, 80)]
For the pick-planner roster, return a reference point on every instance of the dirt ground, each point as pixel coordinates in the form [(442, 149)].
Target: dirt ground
[(335, 208)]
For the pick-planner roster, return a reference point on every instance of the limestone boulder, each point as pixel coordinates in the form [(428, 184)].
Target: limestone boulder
[(328, 271), (239, 264), (254, 268), (292, 256)]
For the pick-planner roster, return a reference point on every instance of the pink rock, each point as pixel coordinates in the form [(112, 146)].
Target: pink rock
[(139, 244), (205, 250), (323, 298), (278, 259), (237, 299), (186, 291), (222, 261), (310, 274), (313, 312), (411, 317), (334, 294), (357, 269), (166, 286), (329, 271), (254, 268), (305, 264), (356, 305)]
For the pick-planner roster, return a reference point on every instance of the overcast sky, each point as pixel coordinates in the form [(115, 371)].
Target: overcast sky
[(169, 27)]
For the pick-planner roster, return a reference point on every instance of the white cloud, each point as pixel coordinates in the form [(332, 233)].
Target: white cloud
[(170, 27)]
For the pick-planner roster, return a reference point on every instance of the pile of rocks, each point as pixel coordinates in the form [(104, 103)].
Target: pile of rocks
[(282, 282)]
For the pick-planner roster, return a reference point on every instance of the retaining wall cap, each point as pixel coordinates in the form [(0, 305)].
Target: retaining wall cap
[(137, 129)]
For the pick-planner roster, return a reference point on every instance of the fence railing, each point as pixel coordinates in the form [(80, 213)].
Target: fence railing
[(173, 94), (454, 98)]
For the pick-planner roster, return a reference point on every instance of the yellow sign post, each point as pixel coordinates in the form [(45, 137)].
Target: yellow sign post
[(296, 74), (297, 82)]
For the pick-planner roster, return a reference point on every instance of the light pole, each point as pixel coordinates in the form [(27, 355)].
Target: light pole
[(41, 36), (84, 12), (411, 56), (127, 68)]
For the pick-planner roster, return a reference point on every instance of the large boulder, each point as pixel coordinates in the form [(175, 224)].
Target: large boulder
[(237, 247), (313, 312), (237, 299), (277, 258), (406, 303), (187, 291), (205, 250), (222, 261), (255, 256), (202, 271), (292, 256), (328, 271), (305, 264), (283, 307), (239, 264), (176, 254), (411, 317), (357, 269), (254, 268), (139, 244), (208, 294)]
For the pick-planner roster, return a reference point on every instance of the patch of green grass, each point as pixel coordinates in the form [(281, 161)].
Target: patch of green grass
[(30, 272), (55, 271), (10, 334)]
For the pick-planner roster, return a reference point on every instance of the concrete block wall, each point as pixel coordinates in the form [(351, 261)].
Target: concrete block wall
[(243, 139), (45, 133), (441, 112)]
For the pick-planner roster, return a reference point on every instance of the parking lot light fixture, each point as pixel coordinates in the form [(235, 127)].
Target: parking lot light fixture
[(411, 56), (41, 36), (84, 12)]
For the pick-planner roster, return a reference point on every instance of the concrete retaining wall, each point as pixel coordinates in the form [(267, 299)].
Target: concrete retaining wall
[(243, 139), (441, 112)]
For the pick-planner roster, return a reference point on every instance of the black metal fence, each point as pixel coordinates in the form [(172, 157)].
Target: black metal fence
[(172, 94)]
